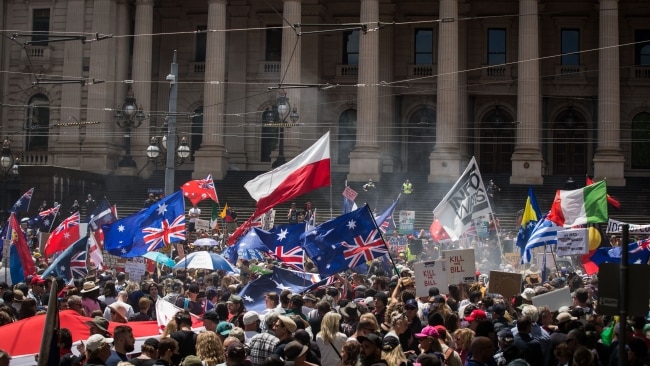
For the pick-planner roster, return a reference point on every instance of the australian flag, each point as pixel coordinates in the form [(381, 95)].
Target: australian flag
[(385, 220), (71, 263), (103, 215), (250, 246), (345, 242), (22, 205), (285, 243), (638, 253), (158, 225), (280, 279), (43, 220)]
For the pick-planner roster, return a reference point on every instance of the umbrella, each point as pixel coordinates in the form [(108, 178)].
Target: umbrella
[(160, 258), (206, 242), (204, 260)]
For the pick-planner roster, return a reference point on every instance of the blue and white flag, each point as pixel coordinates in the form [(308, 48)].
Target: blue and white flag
[(249, 246), (43, 220), (544, 233), (22, 205), (529, 219), (71, 263), (285, 243), (385, 221)]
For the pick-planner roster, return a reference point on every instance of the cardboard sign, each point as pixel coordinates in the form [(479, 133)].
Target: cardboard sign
[(135, 268), (460, 265), (554, 299), (204, 225), (350, 194), (512, 258), (406, 221), (268, 220), (507, 284), (615, 227), (113, 262), (609, 282), (572, 242), (430, 274)]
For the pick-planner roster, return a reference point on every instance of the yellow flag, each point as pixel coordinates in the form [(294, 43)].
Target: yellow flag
[(223, 212)]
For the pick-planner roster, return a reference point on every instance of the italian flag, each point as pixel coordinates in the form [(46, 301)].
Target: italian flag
[(587, 205)]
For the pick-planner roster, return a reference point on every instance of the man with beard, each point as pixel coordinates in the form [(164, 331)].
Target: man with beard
[(123, 344), (371, 350)]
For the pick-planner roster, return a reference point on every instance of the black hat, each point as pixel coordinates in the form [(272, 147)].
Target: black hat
[(211, 316), (498, 308), (505, 334), (372, 338), (294, 349), (153, 342), (382, 296)]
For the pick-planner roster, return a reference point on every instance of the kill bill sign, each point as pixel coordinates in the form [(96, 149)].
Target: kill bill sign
[(454, 267)]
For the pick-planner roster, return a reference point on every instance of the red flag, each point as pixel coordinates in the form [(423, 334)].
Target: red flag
[(64, 235), (241, 230), (438, 232), (20, 242), (304, 173), (611, 200), (199, 190)]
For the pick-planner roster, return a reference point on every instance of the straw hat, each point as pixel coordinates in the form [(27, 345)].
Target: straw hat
[(88, 287)]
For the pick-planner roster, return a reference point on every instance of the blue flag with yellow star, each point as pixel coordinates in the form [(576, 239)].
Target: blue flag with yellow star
[(529, 219)]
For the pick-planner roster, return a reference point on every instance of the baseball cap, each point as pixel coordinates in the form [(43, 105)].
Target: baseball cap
[(428, 331), (235, 299), (37, 280), (411, 303), (564, 317), (476, 315), (224, 328), (372, 338), (236, 350), (505, 334), (498, 308), (97, 341), (250, 317), (211, 316)]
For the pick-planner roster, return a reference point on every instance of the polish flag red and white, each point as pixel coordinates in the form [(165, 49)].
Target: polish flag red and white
[(308, 171)]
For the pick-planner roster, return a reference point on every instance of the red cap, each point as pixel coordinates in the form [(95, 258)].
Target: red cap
[(476, 315), (37, 280)]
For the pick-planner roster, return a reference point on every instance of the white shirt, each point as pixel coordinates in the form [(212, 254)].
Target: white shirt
[(328, 355), (194, 212)]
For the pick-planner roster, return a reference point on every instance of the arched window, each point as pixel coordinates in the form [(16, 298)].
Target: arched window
[(38, 123), (197, 131), (641, 141), (347, 135)]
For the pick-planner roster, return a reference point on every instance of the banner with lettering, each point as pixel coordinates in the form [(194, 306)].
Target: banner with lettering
[(572, 242), (460, 265), (615, 227), (430, 274), (466, 201), (406, 222)]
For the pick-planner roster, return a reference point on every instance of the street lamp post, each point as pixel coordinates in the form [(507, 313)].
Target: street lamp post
[(128, 116), (158, 144), (9, 171), (276, 116)]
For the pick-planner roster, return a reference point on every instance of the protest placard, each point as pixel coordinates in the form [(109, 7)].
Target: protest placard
[(460, 265), (135, 268), (430, 274), (204, 225), (512, 258), (554, 299), (406, 221), (572, 242), (507, 284)]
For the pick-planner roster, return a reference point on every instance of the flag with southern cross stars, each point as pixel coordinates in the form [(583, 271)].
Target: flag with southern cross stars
[(43, 220), (249, 246), (158, 225), (281, 279), (345, 242), (71, 263), (22, 205), (285, 243)]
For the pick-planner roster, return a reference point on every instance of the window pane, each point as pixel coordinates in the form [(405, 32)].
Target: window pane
[(38, 115), (496, 46), (40, 24), (201, 42), (641, 141), (423, 47), (273, 44), (351, 48), (642, 47), (570, 44)]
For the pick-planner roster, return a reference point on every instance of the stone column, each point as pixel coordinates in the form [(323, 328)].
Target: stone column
[(290, 65), (609, 161), (527, 158), (387, 121), (310, 74), (66, 144), (101, 153), (212, 157), (141, 75), (365, 162), (445, 160), (237, 70)]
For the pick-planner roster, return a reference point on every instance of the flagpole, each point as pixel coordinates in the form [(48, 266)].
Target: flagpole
[(384, 240), (625, 238)]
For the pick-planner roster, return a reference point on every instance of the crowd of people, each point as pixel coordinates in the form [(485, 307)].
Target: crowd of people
[(374, 319)]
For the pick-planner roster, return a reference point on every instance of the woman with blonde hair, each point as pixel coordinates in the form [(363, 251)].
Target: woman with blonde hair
[(371, 317), (330, 339), (210, 349), (170, 328), (392, 352), (463, 339)]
